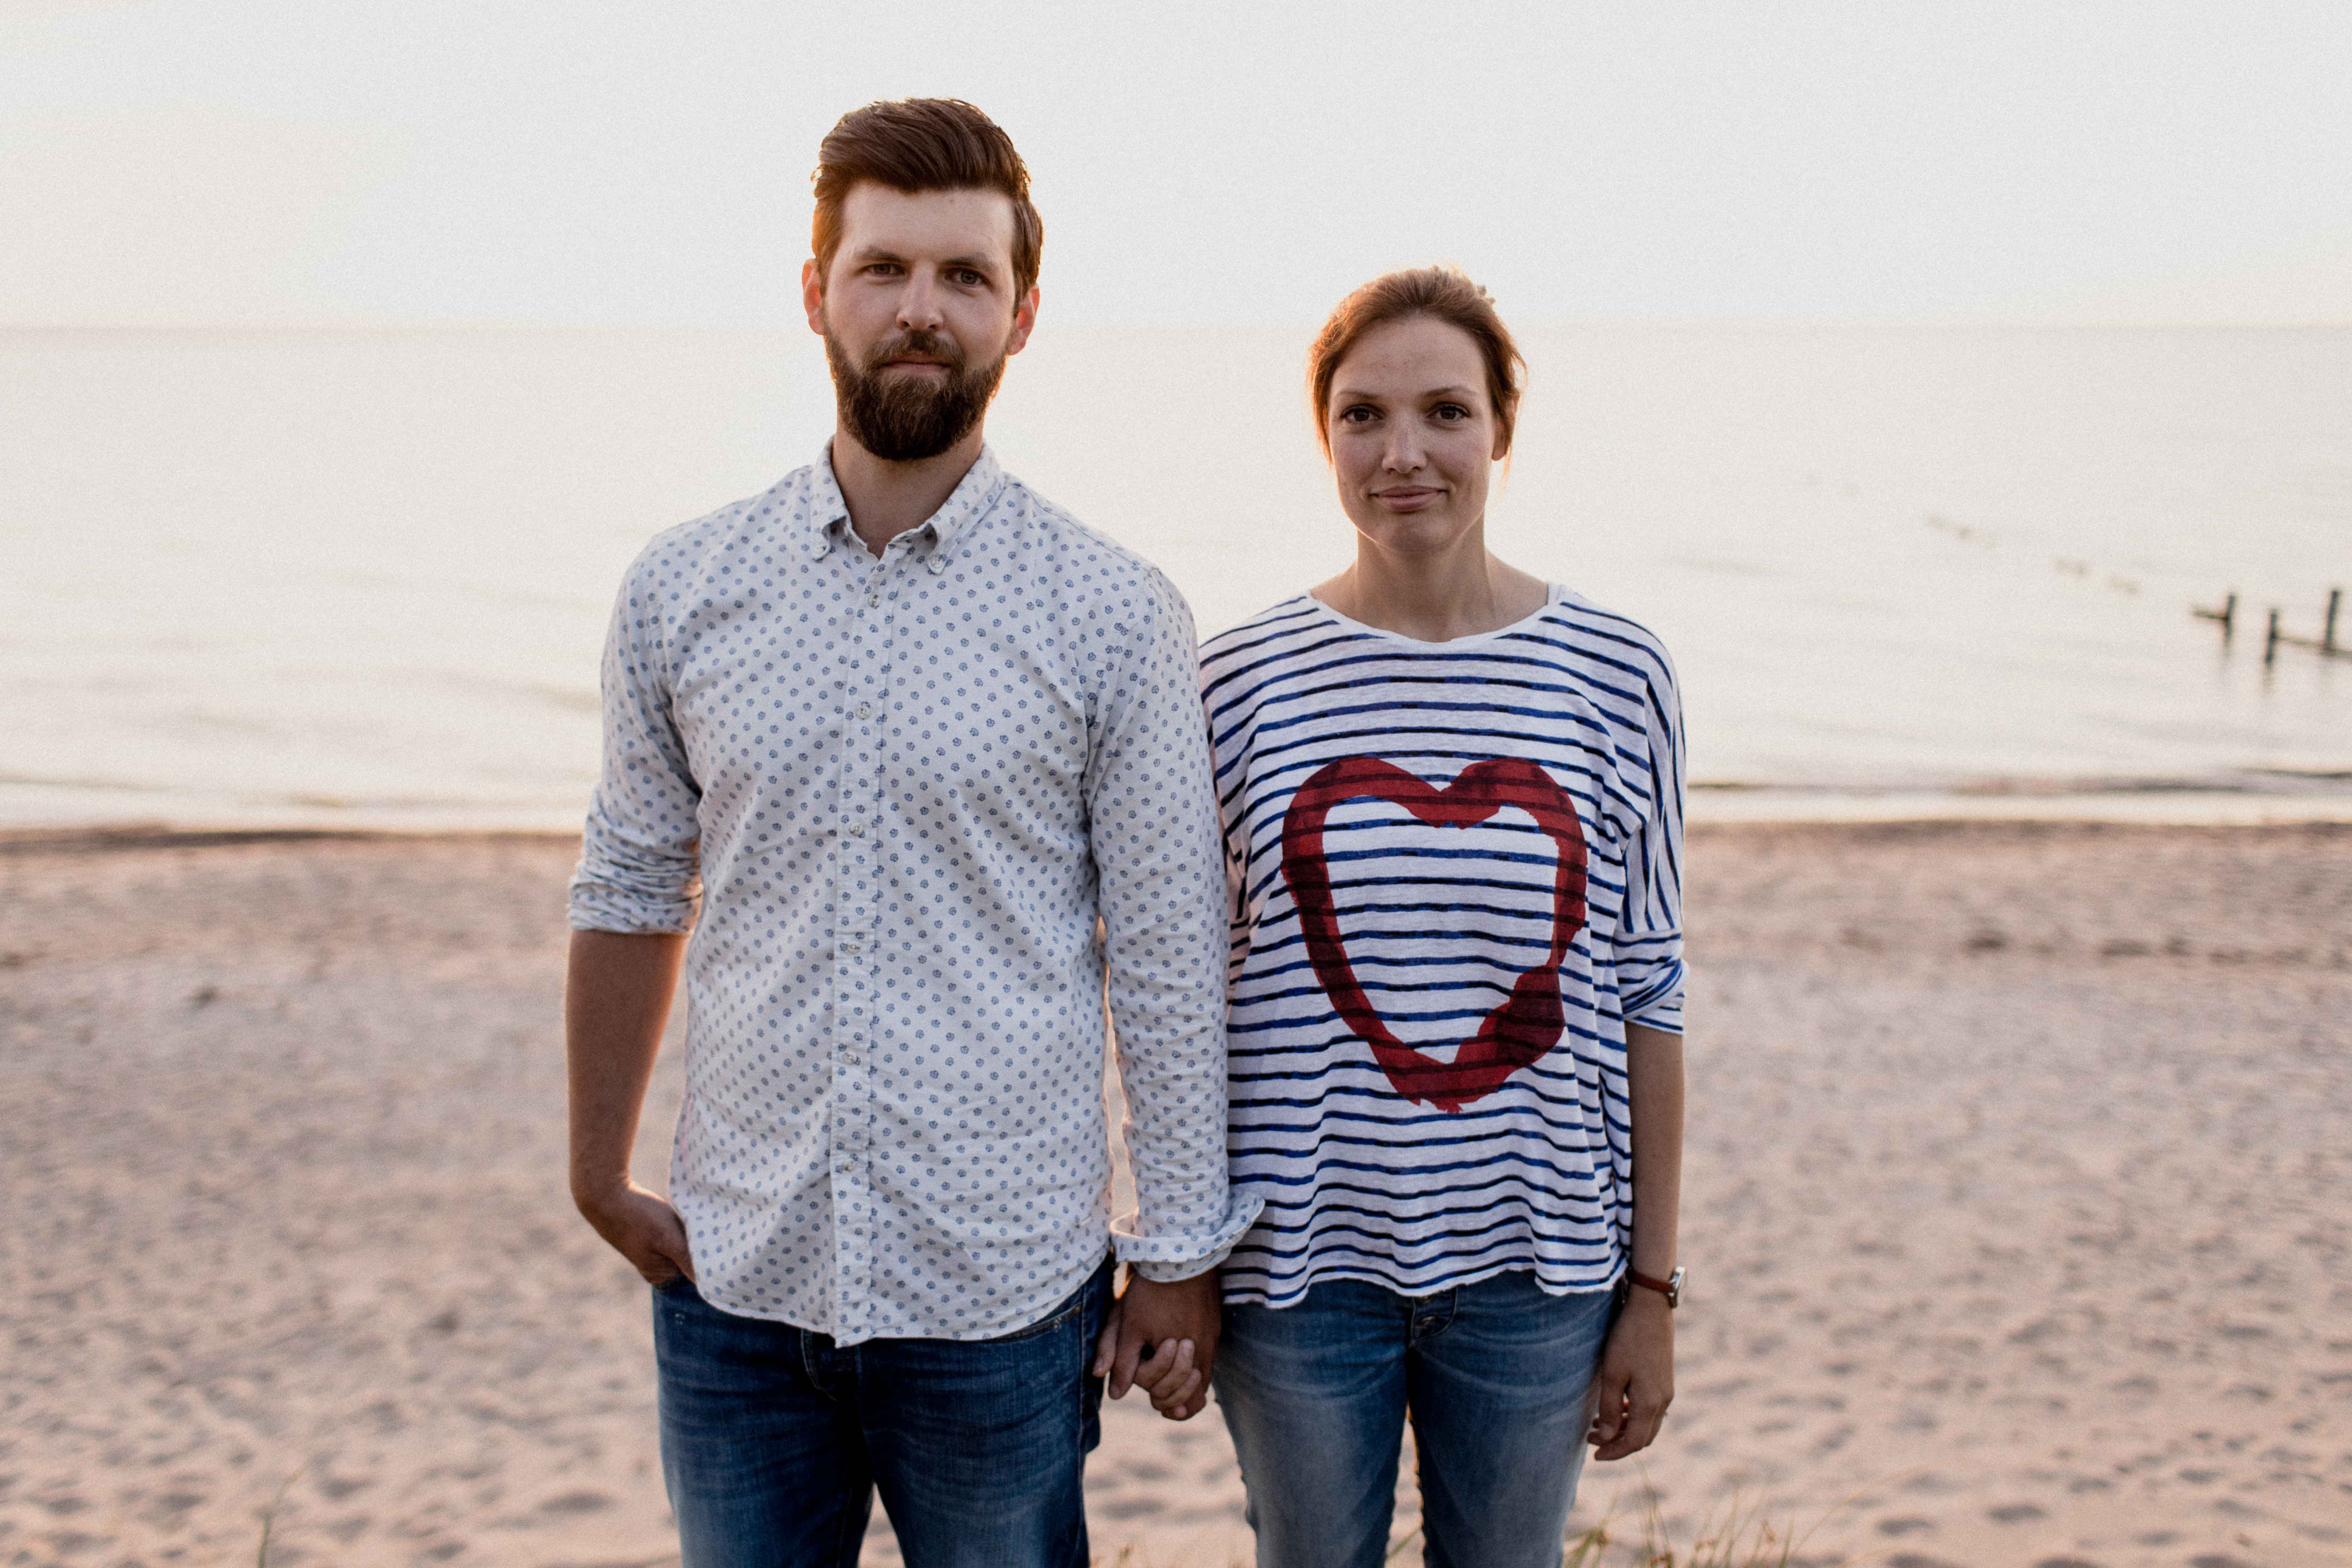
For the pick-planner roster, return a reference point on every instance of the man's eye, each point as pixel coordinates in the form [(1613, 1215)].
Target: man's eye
[(968, 278)]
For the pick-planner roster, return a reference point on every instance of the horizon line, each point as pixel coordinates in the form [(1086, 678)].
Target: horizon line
[(1914, 319)]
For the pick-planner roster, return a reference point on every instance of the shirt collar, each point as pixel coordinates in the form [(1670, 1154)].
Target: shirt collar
[(828, 514)]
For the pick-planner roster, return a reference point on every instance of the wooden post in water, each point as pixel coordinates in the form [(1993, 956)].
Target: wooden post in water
[(2328, 637), (2226, 614), (2269, 643)]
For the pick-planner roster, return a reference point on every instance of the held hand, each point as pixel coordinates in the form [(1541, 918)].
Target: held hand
[(1635, 1380), (641, 1227), (1163, 1338)]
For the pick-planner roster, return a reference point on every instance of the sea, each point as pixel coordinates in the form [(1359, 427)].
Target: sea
[(360, 579)]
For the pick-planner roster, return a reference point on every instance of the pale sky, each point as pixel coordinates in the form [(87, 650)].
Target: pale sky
[(288, 161)]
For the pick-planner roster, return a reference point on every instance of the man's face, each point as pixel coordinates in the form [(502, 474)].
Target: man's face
[(918, 315)]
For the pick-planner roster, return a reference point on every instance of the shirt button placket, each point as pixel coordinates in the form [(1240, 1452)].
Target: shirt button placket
[(855, 1208)]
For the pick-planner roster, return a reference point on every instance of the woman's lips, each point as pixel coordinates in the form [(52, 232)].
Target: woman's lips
[(1406, 498)]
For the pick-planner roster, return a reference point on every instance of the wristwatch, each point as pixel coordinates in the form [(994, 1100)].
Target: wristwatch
[(1670, 1286)]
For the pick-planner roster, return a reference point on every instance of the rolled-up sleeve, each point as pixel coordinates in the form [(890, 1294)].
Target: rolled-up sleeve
[(1159, 865), (1649, 947), (638, 870)]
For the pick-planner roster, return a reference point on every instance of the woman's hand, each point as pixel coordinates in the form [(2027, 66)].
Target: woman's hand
[(1635, 1380)]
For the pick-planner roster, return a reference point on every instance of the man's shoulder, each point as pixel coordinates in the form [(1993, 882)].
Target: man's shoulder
[(755, 534), (1092, 563)]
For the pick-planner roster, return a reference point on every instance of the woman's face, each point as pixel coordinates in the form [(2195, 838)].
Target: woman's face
[(1412, 435)]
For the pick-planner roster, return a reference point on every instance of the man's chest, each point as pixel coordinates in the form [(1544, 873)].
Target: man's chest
[(885, 688)]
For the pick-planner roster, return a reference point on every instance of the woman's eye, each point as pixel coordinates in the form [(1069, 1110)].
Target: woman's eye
[(1451, 412), (1355, 416)]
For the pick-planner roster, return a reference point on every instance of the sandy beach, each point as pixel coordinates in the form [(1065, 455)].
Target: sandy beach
[(2019, 1197)]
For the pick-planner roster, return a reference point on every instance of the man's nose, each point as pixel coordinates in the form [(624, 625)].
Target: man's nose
[(919, 304)]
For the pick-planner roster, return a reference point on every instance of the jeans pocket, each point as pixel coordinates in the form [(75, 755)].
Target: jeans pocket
[(675, 1285)]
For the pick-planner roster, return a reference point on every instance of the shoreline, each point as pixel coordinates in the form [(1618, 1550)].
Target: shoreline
[(2152, 806)]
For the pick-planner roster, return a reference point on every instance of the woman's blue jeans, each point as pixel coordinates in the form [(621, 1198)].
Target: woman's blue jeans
[(1496, 1378), (775, 1440)]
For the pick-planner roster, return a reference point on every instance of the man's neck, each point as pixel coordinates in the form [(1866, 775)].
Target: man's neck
[(885, 499)]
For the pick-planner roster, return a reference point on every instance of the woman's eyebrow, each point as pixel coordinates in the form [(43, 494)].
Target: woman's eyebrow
[(1450, 391)]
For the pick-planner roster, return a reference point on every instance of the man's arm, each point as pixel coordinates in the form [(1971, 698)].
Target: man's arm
[(1636, 1375), (1159, 859), (615, 1002)]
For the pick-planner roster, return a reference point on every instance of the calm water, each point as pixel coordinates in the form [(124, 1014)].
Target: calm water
[(364, 577)]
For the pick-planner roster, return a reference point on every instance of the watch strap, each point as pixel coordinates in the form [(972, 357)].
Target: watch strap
[(1670, 1286)]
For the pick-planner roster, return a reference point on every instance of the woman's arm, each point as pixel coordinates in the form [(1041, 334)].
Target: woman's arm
[(1635, 1380)]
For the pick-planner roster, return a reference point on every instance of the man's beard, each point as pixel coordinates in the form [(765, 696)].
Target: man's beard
[(904, 418)]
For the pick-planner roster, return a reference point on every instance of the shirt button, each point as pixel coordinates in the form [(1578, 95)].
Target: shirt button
[(857, 830), (850, 947), (866, 710), (872, 600)]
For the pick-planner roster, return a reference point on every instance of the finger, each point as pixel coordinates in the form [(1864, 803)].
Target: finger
[(1642, 1426), (671, 1242), (1638, 1429), (1608, 1413), (1178, 1403), (1123, 1364), (1170, 1373), (1107, 1343), (1166, 1369)]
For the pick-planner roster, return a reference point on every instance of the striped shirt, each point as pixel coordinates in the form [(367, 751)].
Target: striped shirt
[(1456, 877)]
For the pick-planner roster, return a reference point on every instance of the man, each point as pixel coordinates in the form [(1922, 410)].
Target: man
[(905, 731)]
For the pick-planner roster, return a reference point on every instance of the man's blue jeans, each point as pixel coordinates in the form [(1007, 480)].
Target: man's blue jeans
[(1494, 1376), (774, 1439)]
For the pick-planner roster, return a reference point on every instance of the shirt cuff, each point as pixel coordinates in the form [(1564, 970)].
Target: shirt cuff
[(1164, 1259)]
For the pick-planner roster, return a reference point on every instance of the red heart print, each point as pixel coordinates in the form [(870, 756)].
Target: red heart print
[(1523, 1027)]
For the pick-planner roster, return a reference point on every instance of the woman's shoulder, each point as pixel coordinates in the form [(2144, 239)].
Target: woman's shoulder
[(1594, 634), (1273, 631)]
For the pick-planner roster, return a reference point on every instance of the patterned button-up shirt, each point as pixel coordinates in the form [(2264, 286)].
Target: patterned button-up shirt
[(902, 790)]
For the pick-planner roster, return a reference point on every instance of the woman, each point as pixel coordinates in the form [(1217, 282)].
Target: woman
[(1453, 803)]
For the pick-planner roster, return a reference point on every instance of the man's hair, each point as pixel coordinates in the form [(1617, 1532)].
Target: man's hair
[(917, 144), (1442, 293)]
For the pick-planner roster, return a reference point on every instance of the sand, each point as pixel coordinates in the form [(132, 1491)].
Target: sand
[(2018, 1191)]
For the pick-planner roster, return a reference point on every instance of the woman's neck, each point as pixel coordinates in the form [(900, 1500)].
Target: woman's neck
[(1464, 592)]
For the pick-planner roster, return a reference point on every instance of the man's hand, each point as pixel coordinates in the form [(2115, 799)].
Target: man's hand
[(1163, 1338), (642, 1228), (1635, 1379)]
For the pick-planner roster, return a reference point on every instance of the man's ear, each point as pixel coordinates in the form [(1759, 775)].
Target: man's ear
[(813, 295), (1025, 322)]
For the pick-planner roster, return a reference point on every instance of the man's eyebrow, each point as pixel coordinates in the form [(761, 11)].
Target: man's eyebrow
[(980, 264)]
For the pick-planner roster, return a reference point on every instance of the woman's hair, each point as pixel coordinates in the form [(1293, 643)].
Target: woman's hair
[(918, 145), (1442, 293)]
